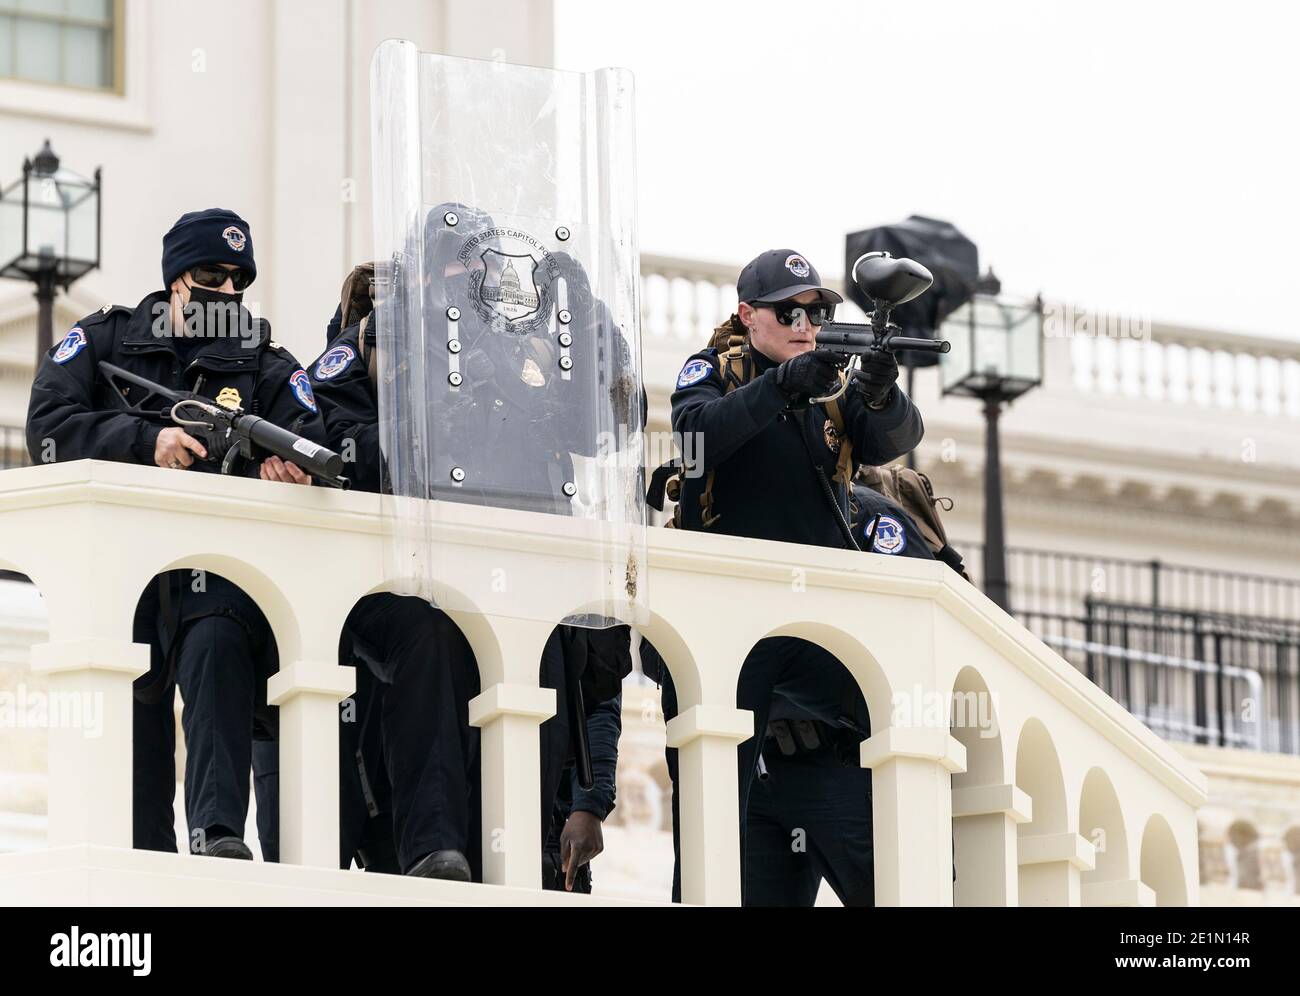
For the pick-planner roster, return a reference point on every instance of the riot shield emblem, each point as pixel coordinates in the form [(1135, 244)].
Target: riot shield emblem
[(506, 287)]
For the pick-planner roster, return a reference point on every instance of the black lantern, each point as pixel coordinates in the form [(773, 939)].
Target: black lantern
[(996, 356), (49, 232)]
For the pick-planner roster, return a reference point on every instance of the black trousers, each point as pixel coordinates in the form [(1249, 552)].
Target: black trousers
[(212, 641), (429, 675), (809, 819), (429, 797), (365, 796), (803, 673)]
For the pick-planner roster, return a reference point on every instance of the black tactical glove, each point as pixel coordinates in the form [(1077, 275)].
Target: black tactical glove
[(809, 375), (876, 377)]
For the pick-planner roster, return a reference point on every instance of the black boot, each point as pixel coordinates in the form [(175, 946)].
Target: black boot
[(449, 865), (227, 847)]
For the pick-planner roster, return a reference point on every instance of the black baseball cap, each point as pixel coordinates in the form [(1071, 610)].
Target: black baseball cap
[(778, 275)]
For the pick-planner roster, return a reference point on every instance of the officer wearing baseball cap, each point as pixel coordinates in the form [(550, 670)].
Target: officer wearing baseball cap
[(778, 275), (748, 396), (775, 463), (206, 635)]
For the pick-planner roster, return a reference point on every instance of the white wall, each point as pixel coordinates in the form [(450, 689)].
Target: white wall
[(263, 109)]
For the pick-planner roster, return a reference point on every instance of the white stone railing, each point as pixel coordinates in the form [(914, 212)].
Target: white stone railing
[(1055, 796), (682, 300)]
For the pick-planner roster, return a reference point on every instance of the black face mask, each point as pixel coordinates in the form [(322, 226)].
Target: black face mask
[(212, 314)]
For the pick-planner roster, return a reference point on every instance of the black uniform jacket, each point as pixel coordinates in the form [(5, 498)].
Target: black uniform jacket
[(73, 414), (763, 452)]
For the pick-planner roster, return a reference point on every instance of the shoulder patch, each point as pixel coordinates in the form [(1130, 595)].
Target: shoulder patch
[(334, 362), (890, 536), (300, 384), (73, 343), (694, 372)]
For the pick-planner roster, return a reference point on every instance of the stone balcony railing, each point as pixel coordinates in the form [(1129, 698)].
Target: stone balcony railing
[(986, 745), (683, 299)]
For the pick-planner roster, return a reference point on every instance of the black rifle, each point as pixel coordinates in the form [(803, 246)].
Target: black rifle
[(226, 431), (888, 282)]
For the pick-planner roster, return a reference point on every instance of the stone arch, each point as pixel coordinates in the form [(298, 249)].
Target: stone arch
[(257, 585), (1162, 865), (1101, 821), (677, 655), (982, 835), (856, 659), (1043, 880), (986, 760), (1039, 774)]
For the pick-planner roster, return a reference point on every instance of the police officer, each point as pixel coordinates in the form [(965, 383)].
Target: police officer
[(770, 458), (423, 669), (204, 632), (345, 380), (809, 815)]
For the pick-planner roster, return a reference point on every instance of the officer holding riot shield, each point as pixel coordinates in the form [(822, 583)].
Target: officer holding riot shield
[(506, 354), (206, 635), (424, 668)]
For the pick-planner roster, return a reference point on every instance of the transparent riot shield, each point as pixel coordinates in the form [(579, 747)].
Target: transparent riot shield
[(508, 336)]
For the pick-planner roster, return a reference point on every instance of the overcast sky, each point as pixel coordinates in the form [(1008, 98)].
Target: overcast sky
[(1140, 157)]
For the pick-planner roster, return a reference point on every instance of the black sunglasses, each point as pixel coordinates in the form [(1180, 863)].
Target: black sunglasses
[(788, 312), (210, 276)]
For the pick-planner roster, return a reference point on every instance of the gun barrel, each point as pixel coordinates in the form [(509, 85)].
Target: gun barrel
[(896, 342), (319, 461)]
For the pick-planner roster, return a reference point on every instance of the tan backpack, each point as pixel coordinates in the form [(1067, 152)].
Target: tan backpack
[(912, 491)]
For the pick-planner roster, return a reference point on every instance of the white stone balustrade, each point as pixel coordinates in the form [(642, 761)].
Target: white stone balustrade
[(985, 743), (683, 299)]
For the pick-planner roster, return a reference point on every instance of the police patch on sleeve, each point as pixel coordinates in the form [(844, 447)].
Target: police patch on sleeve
[(334, 362), (890, 536), (73, 343), (694, 372), (300, 384)]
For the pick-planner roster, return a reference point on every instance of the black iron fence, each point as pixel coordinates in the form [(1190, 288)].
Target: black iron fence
[(1199, 655)]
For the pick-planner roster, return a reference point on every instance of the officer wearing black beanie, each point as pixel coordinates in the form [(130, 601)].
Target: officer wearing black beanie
[(194, 334)]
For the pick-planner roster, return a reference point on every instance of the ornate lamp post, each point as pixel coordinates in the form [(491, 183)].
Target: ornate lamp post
[(996, 356), (49, 232)]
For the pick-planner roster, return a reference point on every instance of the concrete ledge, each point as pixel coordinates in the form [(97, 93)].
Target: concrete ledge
[(981, 800), (709, 721), (91, 875), (504, 699), (1054, 847)]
